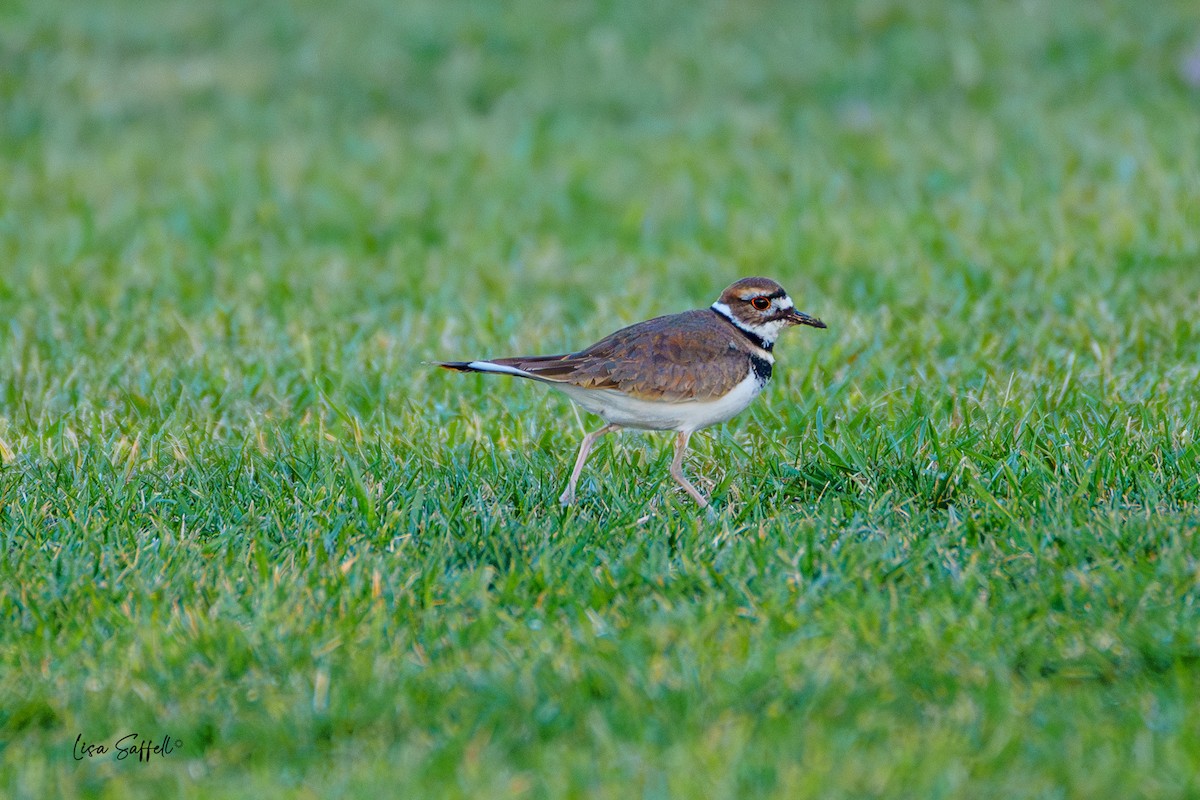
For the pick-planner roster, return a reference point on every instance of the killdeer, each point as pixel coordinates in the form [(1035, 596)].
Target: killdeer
[(680, 372)]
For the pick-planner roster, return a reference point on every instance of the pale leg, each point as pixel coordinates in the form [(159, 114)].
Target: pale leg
[(568, 496), (681, 443)]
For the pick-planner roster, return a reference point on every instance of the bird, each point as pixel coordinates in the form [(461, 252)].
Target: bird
[(679, 372)]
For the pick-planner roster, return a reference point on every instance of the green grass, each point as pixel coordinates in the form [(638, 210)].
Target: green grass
[(956, 554)]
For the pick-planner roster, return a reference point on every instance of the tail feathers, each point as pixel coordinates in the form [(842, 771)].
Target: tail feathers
[(458, 366), (539, 368), (484, 366)]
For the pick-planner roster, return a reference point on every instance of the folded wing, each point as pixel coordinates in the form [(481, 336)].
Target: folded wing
[(693, 356)]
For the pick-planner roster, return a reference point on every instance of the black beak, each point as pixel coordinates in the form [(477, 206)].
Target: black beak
[(795, 317)]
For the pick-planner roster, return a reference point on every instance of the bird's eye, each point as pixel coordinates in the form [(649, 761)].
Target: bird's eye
[(761, 303)]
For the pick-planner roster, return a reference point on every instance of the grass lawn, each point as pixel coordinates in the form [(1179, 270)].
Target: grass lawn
[(956, 553)]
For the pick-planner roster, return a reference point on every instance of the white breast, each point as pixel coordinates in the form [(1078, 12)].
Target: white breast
[(631, 412)]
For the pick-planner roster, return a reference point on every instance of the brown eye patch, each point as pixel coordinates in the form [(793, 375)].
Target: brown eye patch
[(761, 303)]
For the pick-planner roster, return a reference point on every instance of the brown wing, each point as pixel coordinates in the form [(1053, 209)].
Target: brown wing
[(695, 355)]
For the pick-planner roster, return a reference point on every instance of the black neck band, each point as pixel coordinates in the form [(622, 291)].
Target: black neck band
[(754, 338), (761, 367)]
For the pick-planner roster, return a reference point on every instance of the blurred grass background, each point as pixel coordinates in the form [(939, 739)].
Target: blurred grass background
[(958, 552)]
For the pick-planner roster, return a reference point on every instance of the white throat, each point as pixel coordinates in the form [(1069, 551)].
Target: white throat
[(768, 332)]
